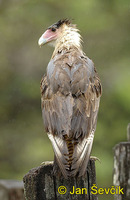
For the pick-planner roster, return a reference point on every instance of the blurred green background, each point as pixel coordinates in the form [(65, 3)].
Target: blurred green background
[(104, 26)]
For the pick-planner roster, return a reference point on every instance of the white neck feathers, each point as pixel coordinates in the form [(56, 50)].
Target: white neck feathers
[(69, 37)]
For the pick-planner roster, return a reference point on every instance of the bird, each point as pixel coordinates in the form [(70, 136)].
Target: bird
[(70, 97)]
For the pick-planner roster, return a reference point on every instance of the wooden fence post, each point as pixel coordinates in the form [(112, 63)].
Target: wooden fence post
[(121, 175), (40, 184), (11, 190)]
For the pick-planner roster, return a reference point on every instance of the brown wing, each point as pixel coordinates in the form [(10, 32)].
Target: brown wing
[(70, 100), (84, 122), (57, 112)]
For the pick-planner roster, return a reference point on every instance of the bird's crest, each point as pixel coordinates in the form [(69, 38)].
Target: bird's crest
[(63, 21), (60, 23)]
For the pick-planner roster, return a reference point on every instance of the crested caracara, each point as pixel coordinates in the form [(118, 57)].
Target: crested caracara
[(70, 96)]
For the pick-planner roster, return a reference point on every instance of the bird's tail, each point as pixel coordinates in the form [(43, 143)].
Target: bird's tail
[(81, 156), (72, 157)]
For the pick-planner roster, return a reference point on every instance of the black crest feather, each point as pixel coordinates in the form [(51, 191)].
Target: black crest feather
[(63, 21), (60, 22)]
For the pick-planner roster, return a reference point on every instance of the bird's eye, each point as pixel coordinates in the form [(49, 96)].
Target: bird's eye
[(53, 29)]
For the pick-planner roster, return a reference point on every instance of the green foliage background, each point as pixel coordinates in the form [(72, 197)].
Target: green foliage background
[(104, 26)]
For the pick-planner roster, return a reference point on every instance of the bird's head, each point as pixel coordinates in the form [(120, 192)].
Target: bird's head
[(59, 30)]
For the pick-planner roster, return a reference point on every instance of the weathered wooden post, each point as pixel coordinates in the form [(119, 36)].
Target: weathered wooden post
[(11, 190), (121, 175), (40, 184)]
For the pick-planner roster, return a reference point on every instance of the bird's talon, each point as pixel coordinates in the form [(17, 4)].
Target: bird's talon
[(43, 163), (95, 158)]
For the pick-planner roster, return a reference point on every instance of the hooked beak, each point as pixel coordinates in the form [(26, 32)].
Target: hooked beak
[(46, 37), (42, 40)]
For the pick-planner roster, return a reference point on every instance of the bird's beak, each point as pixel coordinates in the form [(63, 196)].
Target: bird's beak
[(47, 37), (42, 40)]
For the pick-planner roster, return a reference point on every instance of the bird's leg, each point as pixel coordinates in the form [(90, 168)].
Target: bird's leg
[(95, 158)]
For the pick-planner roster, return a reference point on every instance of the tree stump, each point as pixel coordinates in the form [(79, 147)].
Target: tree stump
[(41, 184), (121, 175), (11, 190)]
